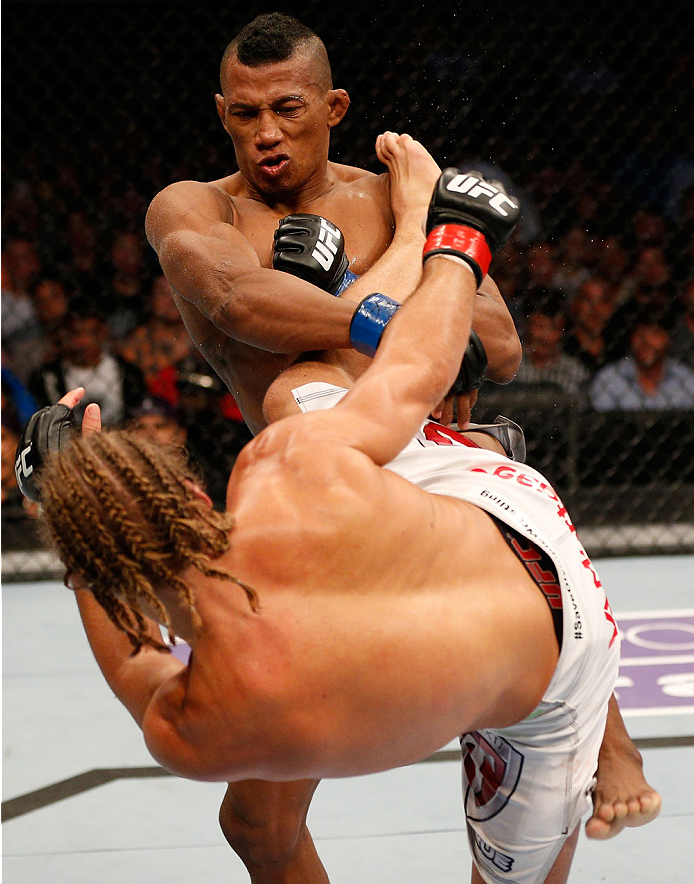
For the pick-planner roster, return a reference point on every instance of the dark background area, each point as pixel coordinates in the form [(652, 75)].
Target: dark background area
[(588, 109)]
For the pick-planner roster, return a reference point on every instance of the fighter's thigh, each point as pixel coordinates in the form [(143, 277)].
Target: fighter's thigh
[(258, 803), (559, 873), (521, 803)]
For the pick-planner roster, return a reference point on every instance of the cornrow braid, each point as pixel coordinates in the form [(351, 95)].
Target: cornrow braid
[(81, 548), (179, 530), (123, 517), (88, 548)]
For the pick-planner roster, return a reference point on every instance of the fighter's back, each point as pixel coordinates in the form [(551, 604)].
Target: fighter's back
[(376, 602)]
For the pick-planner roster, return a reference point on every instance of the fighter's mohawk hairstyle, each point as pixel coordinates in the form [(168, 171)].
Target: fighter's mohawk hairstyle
[(269, 38), (274, 37)]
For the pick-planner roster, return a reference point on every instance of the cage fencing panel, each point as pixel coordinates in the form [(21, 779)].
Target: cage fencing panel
[(585, 112)]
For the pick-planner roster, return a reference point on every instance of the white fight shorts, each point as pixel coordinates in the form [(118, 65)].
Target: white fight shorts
[(525, 787)]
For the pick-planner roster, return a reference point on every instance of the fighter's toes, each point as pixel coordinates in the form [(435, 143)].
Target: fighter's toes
[(611, 817)]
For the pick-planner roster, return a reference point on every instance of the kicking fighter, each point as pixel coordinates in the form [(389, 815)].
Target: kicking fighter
[(285, 680)]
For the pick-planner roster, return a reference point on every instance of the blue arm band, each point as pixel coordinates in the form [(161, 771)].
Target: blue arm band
[(370, 319), (346, 280)]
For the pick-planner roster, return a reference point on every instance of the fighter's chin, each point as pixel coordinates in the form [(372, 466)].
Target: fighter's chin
[(269, 189), (274, 177)]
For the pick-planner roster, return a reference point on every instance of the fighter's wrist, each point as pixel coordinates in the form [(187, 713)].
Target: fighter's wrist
[(461, 240), (433, 261), (369, 320)]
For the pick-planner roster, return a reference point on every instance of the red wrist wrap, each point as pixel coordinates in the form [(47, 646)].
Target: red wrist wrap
[(461, 239)]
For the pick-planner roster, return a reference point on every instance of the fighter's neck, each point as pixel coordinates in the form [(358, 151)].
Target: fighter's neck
[(299, 200)]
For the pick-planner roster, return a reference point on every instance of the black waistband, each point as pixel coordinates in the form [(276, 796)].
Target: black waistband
[(541, 568)]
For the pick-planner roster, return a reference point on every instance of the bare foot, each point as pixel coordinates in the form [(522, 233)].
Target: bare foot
[(413, 174), (622, 797)]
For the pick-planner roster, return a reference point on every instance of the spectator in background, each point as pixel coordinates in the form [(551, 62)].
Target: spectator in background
[(590, 312), (21, 213), (18, 404), (544, 361), (538, 283), (652, 297), (21, 332), (507, 271), (127, 284), (682, 343), (21, 262), (52, 305), (575, 256), (649, 229), (612, 264), (10, 495), (156, 419), (161, 342), (80, 259), (645, 379), (85, 361), (213, 439)]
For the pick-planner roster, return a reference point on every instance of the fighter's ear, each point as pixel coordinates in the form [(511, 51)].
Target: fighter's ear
[(338, 101), (199, 493), (221, 109)]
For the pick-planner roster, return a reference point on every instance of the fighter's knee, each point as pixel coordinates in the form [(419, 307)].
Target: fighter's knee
[(261, 841)]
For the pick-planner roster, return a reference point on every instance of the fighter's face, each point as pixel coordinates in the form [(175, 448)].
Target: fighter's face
[(279, 119)]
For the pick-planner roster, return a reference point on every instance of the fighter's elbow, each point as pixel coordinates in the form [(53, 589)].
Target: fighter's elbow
[(504, 360), (174, 753)]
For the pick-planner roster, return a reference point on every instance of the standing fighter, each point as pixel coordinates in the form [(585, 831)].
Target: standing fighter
[(215, 245), (214, 242), (452, 630)]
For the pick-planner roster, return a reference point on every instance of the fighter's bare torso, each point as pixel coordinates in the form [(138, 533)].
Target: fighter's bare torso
[(355, 200), (312, 517)]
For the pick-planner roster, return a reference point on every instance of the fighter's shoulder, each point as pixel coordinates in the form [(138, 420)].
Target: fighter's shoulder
[(211, 199), (308, 445), (354, 178)]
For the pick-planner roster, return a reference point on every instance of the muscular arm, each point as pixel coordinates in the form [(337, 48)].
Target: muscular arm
[(211, 264), (415, 365), (493, 323), (134, 680)]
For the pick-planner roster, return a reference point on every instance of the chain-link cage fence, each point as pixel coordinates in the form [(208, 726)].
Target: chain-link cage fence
[(585, 111)]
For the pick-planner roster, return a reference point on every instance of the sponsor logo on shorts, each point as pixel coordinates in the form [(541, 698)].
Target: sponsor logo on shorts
[(492, 769), (488, 856)]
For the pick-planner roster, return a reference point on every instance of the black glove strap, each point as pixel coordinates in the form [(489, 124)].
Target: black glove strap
[(472, 369)]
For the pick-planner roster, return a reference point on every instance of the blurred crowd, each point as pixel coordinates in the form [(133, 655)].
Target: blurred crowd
[(604, 307), (97, 312)]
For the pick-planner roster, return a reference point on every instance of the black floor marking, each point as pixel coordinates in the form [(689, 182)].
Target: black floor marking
[(39, 798), (74, 786)]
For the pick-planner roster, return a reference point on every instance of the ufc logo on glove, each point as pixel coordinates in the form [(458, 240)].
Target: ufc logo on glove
[(326, 248), (475, 188), (23, 469)]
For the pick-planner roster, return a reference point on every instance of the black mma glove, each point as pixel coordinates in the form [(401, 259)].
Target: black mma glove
[(47, 431), (472, 369), (313, 249), (470, 219)]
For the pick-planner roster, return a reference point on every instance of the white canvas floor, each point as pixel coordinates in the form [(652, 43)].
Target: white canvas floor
[(68, 824)]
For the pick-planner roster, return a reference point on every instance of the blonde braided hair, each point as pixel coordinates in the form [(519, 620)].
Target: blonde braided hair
[(123, 517)]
